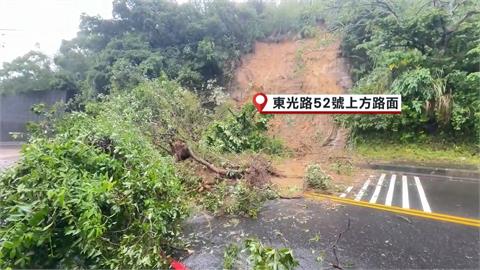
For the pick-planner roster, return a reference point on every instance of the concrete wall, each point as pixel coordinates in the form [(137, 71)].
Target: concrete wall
[(15, 110)]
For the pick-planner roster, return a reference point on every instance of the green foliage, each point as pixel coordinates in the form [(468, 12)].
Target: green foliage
[(230, 256), (259, 256), (263, 257), (245, 130), (292, 17), (163, 110), (45, 126), (446, 151), (316, 178), (426, 52), (31, 72), (299, 61), (342, 166), (238, 199), (95, 193), (139, 43), (191, 42)]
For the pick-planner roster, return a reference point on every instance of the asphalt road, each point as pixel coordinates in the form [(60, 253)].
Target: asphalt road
[(9, 154), (375, 240), (457, 196)]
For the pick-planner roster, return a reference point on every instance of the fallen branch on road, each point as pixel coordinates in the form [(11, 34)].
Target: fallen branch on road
[(181, 151)]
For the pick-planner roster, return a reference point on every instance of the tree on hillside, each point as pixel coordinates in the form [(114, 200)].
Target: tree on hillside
[(193, 42), (31, 72), (427, 51)]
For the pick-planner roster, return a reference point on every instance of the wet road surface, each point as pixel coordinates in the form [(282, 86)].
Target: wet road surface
[(376, 239), (430, 193), (9, 154)]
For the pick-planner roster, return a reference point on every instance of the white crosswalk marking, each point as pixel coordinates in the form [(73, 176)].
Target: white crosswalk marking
[(421, 193), (362, 190), (405, 201), (378, 187), (391, 187), (380, 190), (343, 195)]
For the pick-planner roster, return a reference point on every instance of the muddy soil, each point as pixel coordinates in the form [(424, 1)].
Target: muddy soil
[(312, 66)]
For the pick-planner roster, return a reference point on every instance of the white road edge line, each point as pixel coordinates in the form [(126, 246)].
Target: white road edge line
[(423, 198), (391, 187), (405, 202), (378, 187), (343, 195), (362, 190)]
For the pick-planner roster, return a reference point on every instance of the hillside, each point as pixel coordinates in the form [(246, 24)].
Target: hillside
[(312, 66)]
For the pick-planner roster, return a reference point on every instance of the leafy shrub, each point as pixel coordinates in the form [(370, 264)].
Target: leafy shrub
[(263, 257), (396, 50), (230, 256), (316, 178), (238, 199), (308, 31), (290, 16), (342, 166), (96, 194), (243, 131), (259, 257), (164, 109)]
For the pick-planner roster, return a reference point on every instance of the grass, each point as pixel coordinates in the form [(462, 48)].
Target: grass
[(299, 61), (424, 153), (344, 167), (230, 255), (325, 39)]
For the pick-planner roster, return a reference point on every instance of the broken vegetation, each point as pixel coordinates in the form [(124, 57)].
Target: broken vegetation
[(106, 187)]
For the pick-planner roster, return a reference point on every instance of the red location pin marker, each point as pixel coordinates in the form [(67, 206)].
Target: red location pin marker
[(260, 100)]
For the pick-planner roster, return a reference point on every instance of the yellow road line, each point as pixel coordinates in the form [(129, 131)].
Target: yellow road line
[(399, 210)]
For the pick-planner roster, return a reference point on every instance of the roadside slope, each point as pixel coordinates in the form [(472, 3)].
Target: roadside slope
[(312, 66)]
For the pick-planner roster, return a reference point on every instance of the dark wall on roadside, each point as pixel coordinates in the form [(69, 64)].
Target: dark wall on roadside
[(15, 109)]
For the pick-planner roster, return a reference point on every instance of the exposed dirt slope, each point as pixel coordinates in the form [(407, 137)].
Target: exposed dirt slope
[(305, 66)]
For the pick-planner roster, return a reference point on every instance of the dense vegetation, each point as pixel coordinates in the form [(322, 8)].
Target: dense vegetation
[(426, 51), (198, 43), (244, 131), (98, 186), (96, 194)]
